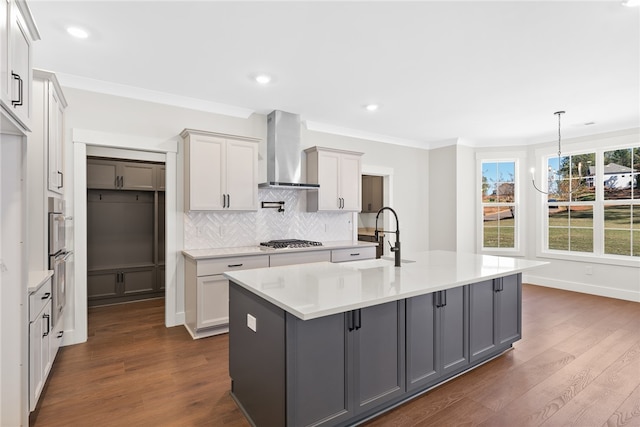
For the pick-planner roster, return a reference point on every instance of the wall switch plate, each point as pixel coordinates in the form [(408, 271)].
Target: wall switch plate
[(251, 322)]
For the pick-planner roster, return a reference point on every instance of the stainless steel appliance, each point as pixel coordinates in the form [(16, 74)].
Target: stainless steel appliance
[(58, 256), (290, 243)]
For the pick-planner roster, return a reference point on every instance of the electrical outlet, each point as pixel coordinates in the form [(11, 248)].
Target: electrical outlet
[(252, 323), (199, 231)]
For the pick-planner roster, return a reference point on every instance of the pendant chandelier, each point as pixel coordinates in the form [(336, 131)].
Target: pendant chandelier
[(550, 181)]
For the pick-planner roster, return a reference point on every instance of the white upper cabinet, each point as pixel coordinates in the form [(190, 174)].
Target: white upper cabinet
[(221, 172), (48, 126), (18, 33), (338, 172)]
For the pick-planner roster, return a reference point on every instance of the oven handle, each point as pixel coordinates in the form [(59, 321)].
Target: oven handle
[(67, 255)]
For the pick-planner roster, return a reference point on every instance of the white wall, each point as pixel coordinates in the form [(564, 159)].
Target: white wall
[(443, 198), (129, 118)]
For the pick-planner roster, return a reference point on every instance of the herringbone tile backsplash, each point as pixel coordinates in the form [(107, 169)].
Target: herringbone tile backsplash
[(230, 229)]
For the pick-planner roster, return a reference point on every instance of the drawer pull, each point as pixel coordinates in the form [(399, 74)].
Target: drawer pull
[(356, 254), (46, 295), (234, 265)]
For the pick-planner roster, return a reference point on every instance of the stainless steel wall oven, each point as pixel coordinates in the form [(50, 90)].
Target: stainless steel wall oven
[(58, 256)]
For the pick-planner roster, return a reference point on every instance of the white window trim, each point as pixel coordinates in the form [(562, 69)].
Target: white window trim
[(518, 157), (598, 145)]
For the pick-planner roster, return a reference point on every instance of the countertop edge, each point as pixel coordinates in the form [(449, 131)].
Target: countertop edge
[(198, 254), (37, 279)]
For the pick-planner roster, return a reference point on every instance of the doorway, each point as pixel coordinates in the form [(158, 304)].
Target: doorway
[(125, 230), (377, 186)]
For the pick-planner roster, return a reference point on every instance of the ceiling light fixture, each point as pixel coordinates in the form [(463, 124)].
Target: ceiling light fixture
[(371, 107), (631, 3), (263, 79), (77, 32), (557, 172)]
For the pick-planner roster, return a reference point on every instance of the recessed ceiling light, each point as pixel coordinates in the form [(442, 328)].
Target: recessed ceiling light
[(77, 32), (263, 79), (371, 107), (631, 3)]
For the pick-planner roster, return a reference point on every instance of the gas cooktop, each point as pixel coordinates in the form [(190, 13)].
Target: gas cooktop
[(290, 243)]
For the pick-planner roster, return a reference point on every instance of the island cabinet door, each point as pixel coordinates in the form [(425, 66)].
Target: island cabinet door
[(318, 375), (454, 329), (379, 354), (343, 365), (509, 308), (495, 315), (482, 316), (422, 354), (437, 336)]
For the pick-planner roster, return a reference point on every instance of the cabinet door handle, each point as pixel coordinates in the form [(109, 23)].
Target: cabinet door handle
[(234, 265), (358, 320), (61, 179), (356, 254), (60, 334), (444, 298), (47, 317), (18, 102), (497, 285), (46, 296), (228, 200), (350, 321)]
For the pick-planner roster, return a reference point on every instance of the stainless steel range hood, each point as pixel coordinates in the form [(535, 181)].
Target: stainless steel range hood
[(284, 153)]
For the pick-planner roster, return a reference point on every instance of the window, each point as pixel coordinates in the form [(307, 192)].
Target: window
[(621, 185), (499, 204), (593, 206), (570, 202)]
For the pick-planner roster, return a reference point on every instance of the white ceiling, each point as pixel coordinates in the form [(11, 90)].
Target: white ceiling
[(489, 73)]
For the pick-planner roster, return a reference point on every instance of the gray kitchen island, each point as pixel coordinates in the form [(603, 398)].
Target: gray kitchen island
[(336, 344)]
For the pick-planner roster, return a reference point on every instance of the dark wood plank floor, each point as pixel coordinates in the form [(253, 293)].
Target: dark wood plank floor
[(578, 364)]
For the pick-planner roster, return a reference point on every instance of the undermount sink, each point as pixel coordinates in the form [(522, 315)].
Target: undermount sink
[(390, 258)]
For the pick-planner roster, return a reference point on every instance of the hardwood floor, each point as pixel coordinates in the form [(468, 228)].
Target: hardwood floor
[(578, 364)]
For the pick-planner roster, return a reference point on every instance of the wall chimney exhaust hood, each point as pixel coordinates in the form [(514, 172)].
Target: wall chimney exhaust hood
[(284, 153)]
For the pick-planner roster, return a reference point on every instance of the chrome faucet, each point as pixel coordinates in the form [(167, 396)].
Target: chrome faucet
[(396, 248)]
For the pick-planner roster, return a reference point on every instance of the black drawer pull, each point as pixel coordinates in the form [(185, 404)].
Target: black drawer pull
[(46, 296), (234, 265), (356, 254)]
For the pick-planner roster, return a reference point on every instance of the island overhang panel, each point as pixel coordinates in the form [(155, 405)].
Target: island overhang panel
[(334, 344)]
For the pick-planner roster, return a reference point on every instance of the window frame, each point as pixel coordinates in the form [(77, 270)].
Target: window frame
[(504, 157)]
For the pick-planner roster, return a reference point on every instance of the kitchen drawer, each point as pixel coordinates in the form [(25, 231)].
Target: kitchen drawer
[(354, 254), (39, 299), (210, 267), (299, 258)]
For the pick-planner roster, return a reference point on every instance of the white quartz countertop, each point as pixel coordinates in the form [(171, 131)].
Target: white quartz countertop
[(262, 250), (309, 291), (37, 279)]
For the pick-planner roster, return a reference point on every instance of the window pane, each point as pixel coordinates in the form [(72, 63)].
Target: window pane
[(582, 165), (635, 186), (490, 239), (558, 216), (581, 240), (559, 239), (498, 226), (636, 218), (618, 174), (617, 242), (498, 179), (581, 216), (507, 237), (617, 217), (636, 243)]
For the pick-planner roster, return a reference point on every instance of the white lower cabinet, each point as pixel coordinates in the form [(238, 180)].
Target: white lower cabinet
[(40, 341), (207, 290)]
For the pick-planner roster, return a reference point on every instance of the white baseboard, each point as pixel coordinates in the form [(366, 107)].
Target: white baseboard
[(582, 287), (70, 337)]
